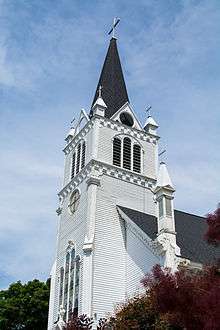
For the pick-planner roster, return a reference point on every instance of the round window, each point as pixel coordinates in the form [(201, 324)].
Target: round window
[(126, 119), (74, 201)]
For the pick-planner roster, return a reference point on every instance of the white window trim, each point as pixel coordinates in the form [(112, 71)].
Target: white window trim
[(75, 150), (69, 250), (133, 142)]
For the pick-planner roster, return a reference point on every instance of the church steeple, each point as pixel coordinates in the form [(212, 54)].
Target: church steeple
[(114, 92)]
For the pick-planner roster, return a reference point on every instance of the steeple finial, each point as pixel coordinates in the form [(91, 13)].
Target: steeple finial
[(115, 23), (148, 111)]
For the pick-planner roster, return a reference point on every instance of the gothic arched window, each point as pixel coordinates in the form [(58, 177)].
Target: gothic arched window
[(66, 281), (117, 152), (72, 278), (78, 158), (73, 165), (83, 154), (76, 293), (136, 158), (61, 285), (127, 153), (69, 284)]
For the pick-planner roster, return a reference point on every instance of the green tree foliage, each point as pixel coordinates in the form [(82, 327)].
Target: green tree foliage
[(25, 306)]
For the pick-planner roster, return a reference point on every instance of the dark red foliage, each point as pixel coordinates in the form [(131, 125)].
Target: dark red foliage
[(187, 299), (213, 233), (82, 322)]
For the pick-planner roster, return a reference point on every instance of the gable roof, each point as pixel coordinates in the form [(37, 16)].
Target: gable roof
[(114, 92), (190, 230)]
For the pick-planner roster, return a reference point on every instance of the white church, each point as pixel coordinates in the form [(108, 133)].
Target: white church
[(116, 212)]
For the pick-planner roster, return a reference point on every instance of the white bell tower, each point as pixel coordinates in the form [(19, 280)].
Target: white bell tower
[(111, 161)]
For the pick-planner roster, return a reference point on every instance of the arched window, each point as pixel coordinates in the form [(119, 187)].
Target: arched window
[(78, 158), (117, 152), (61, 285), (66, 281), (69, 284), (76, 293), (83, 154), (73, 165), (136, 158), (72, 278), (127, 153)]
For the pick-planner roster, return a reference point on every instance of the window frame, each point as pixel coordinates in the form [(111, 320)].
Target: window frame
[(80, 158), (76, 267), (133, 143)]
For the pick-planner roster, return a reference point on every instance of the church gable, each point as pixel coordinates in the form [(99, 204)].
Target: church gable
[(126, 116)]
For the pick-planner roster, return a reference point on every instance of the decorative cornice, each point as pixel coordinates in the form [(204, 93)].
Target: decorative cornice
[(93, 180), (71, 145), (96, 168), (117, 126)]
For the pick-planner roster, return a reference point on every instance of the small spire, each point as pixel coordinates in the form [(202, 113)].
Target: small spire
[(100, 91), (148, 111), (150, 125), (163, 179)]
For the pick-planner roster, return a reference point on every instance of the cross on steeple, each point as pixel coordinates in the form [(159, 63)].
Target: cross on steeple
[(163, 154), (115, 22), (148, 111)]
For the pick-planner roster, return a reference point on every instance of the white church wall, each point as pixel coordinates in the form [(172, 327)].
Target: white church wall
[(109, 259), (139, 260), (72, 228), (109, 284), (128, 194)]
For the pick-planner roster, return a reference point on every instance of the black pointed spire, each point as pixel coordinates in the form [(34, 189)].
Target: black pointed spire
[(114, 92)]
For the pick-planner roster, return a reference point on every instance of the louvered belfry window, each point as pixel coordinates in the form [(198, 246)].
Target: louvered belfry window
[(78, 158), (136, 158), (83, 154), (73, 165), (127, 153), (117, 152)]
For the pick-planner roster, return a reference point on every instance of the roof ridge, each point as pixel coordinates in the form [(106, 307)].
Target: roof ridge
[(195, 215)]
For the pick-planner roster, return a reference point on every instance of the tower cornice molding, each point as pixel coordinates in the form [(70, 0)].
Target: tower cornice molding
[(97, 169), (79, 136), (117, 126)]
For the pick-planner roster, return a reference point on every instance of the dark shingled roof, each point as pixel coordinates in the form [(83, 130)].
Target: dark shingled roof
[(190, 230), (114, 92)]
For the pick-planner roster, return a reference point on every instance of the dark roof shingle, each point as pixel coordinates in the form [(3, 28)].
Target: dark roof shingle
[(114, 92), (190, 230)]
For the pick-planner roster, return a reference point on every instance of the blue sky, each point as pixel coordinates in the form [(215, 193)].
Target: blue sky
[(51, 53)]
